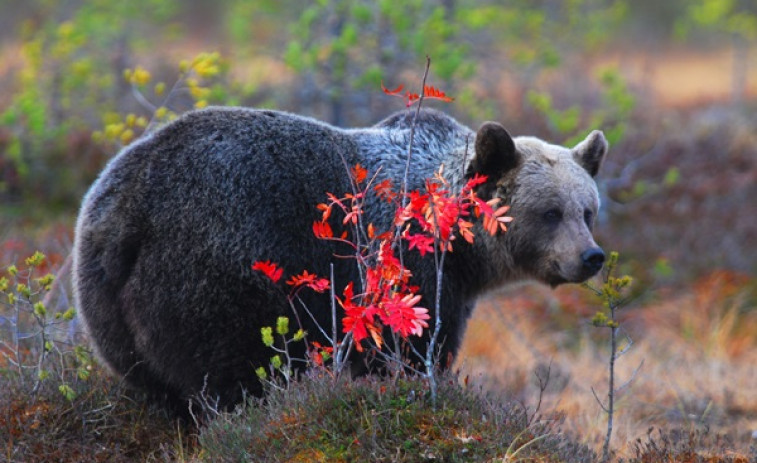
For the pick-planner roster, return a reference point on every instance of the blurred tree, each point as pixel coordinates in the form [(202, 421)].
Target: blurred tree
[(735, 18), (325, 58), (73, 55), (342, 50)]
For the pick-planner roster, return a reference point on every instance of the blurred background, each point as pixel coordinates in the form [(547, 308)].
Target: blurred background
[(673, 85)]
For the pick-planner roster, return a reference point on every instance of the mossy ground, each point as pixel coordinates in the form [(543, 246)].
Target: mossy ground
[(384, 420)]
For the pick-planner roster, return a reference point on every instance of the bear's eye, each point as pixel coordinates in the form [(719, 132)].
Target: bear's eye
[(553, 215), (588, 217)]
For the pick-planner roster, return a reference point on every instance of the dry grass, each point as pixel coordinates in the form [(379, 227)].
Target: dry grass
[(104, 423), (698, 347), (385, 420)]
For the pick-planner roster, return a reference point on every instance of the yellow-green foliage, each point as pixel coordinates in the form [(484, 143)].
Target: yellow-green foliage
[(573, 122), (281, 360), (35, 346), (612, 293), (196, 76)]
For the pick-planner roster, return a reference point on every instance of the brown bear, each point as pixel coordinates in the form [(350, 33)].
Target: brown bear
[(167, 235)]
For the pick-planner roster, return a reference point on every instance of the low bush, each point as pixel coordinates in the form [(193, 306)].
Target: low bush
[(320, 418)]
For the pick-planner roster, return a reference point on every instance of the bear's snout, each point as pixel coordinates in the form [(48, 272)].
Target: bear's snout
[(593, 259)]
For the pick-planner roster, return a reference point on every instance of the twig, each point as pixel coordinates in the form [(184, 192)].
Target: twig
[(412, 132), (633, 377), (611, 390), (410, 154), (142, 100), (543, 383), (599, 401)]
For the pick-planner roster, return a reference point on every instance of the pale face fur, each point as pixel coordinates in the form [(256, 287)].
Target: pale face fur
[(554, 202)]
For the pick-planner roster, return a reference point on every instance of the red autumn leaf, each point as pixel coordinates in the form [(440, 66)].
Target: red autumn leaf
[(420, 242), (385, 190), (497, 220), (358, 320), (395, 92), (429, 91), (310, 280), (353, 215), (359, 173), (390, 267), (402, 315), (372, 281), (415, 209), (353, 322), (411, 98), (322, 230), (320, 285), (433, 92), (326, 211), (441, 215), (333, 200), (481, 206), (464, 227), (474, 181), (269, 269), (384, 236), (316, 354)]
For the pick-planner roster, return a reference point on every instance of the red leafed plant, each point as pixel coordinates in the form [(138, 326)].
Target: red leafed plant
[(309, 280), (430, 221), (412, 98), (427, 221), (269, 269)]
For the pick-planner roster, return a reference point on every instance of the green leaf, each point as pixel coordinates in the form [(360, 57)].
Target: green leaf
[(83, 374), (282, 325), (46, 281), (267, 334), (40, 310), (294, 57), (23, 290), (67, 392), (671, 177), (35, 260), (260, 372), (662, 268)]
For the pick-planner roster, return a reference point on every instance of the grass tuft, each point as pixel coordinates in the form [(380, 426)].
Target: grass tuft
[(685, 445), (104, 423), (372, 419)]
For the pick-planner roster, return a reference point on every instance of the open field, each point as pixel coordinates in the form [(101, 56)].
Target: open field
[(690, 366), (678, 193)]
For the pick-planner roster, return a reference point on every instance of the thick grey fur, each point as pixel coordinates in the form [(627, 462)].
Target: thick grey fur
[(167, 234)]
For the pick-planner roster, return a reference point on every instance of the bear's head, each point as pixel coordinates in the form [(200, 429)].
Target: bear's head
[(553, 199)]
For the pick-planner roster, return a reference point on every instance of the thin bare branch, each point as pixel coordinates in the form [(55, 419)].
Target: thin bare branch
[(631, 379), (599, 401)]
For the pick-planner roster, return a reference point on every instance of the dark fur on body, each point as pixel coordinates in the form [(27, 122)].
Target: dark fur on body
[(166, 236)]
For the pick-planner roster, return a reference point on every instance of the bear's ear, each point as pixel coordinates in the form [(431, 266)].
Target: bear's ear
[(590, 153), (495, 151)]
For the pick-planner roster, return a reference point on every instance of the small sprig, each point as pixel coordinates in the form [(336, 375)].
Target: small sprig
[(613, 294)]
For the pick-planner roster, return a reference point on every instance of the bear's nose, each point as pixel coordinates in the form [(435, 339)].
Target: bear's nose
[(593, 259)]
